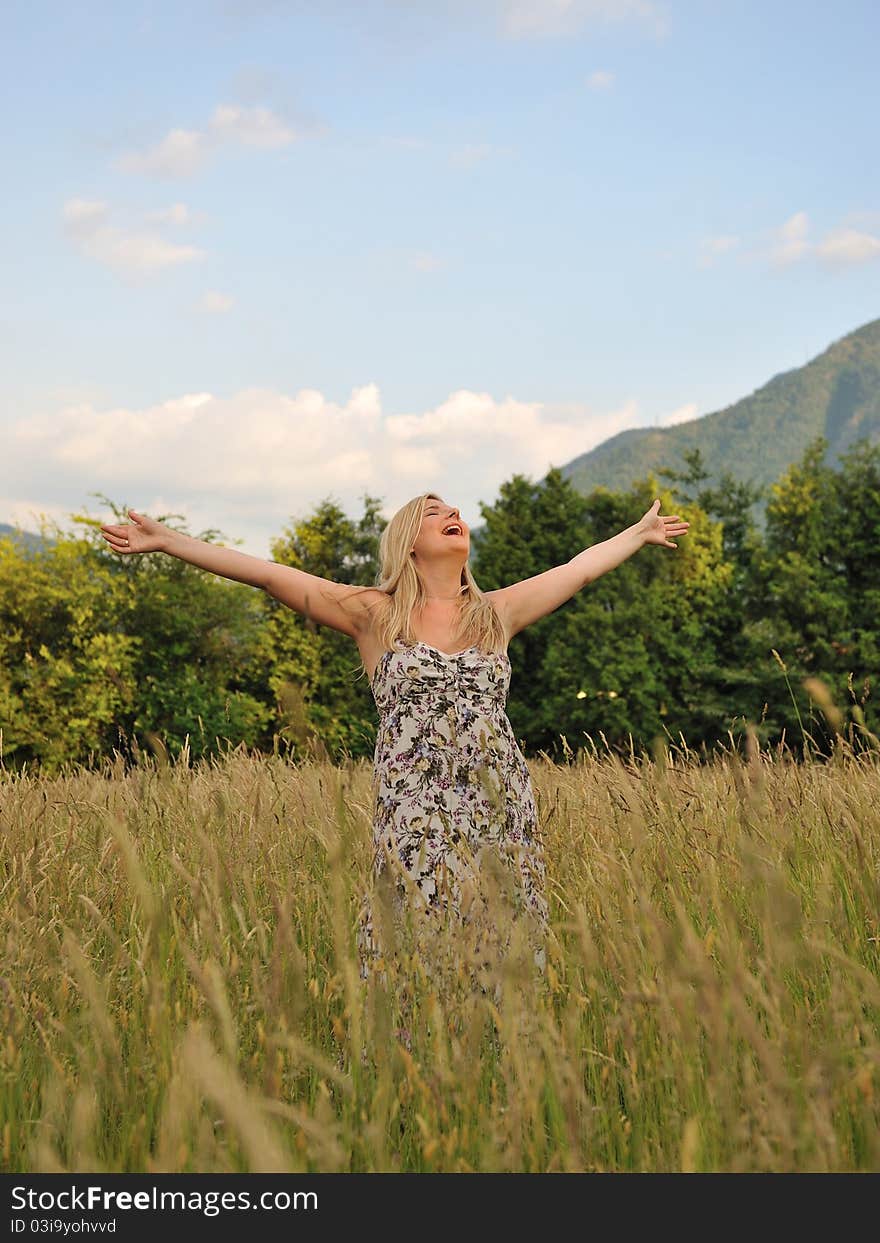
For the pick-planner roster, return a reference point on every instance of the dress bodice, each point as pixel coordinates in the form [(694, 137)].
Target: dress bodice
[(473, 677)]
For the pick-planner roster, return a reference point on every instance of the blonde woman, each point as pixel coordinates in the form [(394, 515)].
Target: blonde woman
[(451, 787)]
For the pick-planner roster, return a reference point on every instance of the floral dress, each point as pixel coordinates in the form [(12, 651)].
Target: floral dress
[(451, 788)]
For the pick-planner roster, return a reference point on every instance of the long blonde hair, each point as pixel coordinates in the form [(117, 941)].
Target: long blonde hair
[(479, 623)]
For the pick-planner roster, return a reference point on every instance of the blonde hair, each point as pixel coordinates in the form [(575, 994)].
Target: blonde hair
[(479, 623)]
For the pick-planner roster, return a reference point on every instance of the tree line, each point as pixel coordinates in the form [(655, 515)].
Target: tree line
[(771, 630)]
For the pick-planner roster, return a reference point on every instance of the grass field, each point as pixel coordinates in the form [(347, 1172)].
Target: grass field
[(180, 990)]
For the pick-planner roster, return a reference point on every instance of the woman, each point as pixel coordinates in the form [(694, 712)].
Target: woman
[(454, 813)]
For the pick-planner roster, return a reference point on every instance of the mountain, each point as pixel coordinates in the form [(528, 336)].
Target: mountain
[(837, 395), (28, 538)]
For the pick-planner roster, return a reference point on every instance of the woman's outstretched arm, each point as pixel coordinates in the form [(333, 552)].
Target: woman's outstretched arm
[(526, 602), (319, 599), (148, 535)]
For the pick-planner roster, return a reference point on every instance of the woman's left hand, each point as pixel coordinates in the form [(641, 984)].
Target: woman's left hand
[(657, 530)]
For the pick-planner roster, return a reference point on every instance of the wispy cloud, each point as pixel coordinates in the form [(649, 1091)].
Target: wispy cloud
[(869, 218), (712, 247), (176, 214), (129, 253), (184, 152), (682, 414), (843, 247), (465, 155), (523, 19), (406, 143), (181, 153), (790, 243), (214, 303), (472, 154), (840, 247), (601, 80), (425, 262), (510, 19)]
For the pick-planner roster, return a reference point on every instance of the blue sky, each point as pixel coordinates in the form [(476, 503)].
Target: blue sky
[(260, 253)]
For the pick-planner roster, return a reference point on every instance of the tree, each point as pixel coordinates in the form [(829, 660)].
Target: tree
[(729, 502), (803, 582), (531, 528), (638, 654), (312, 670), (101, 651)]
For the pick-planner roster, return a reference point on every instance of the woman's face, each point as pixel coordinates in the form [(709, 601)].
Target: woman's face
[(431, 541)]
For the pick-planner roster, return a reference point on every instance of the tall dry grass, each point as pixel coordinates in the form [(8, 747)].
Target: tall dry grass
[(180, 988)]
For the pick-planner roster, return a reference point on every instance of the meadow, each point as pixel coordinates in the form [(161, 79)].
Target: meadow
[(180, 987)]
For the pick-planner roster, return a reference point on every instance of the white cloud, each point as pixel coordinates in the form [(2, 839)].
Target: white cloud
[(600, 80), (869, 217), (177, 214), (214, 303), (87, 226), (246, 462), (425, 262), (847, 246), (711, 247), (83, 217), (791, 240), (682, 414), (512, 19), (251, 127), (180, 154), (475, 153), (183, 152), (141, 252), (529, 18), (789, 244), (468, 426), (842, 247)]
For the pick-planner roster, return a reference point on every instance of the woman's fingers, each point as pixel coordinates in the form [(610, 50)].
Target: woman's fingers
[(118, 543)]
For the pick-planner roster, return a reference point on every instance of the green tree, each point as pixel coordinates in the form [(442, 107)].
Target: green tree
[(730, 502), (531, 528), (66, 672), (325, 707), (638, 653), (855, 536), (801, 575), (101, 651), (816, 583)]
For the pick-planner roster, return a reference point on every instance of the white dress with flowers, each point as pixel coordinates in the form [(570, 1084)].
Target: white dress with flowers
[(450, 787)]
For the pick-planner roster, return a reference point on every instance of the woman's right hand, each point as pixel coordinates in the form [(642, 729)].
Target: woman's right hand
[(146, 535)]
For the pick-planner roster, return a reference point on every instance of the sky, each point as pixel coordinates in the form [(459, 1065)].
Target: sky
[(259, 254)]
